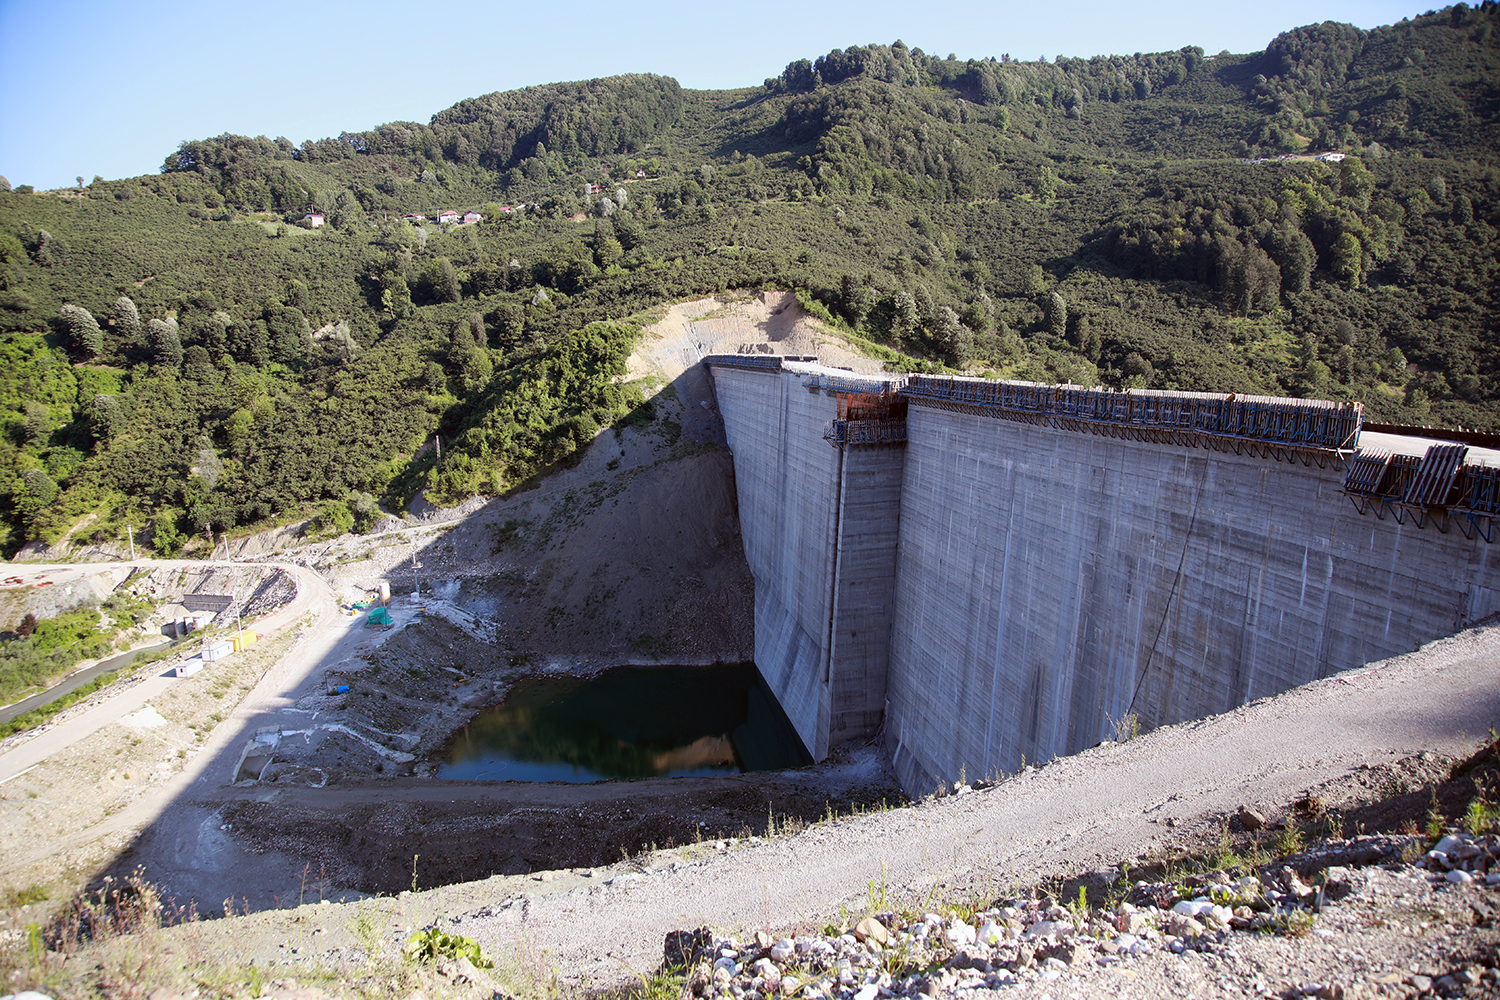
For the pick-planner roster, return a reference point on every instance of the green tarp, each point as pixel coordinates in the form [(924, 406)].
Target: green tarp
[(380, 616)]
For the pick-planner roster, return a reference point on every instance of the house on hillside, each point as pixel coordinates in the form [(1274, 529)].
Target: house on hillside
[(313, 220), (448, 218), (1332, 157), (472, 217), (413, 217)]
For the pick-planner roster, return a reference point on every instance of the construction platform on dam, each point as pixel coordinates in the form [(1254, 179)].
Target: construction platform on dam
[(992, 572)]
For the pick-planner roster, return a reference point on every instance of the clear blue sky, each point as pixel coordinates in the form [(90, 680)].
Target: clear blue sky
[(110, 88)]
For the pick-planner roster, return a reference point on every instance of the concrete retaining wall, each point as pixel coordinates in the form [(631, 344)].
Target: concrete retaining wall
[(786, 476), (998, 591), (1053, 583)]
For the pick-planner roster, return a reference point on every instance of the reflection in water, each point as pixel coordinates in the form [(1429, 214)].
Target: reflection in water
[(630, 722)]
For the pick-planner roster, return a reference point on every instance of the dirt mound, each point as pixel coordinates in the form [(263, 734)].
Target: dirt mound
[(768, 322)]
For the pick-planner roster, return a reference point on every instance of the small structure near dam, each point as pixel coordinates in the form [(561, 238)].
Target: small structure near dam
[(994, 572)]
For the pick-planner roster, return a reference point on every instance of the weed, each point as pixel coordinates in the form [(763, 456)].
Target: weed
[(1125, 728), (1434, 817), (26, 896), (1480, 816), (1289, 839), (1291, 923), (666, 983), (528, 973), (365, 930), (431, 944), (878, 898)]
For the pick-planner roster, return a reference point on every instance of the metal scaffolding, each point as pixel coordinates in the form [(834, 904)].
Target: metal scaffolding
[(852, 384), (1285, 429), (842, 433), (1440, 488)]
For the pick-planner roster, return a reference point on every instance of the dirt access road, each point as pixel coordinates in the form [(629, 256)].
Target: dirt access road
[(47, 841), (1078, 814), (312, 593)]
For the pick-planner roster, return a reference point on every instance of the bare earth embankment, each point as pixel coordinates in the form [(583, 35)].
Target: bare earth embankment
[(629, 555)]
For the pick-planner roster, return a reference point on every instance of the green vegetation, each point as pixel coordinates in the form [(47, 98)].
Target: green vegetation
[(431, 944), (43, 650), (181, 350)]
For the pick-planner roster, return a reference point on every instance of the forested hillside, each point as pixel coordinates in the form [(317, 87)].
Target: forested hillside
[(185, 348)]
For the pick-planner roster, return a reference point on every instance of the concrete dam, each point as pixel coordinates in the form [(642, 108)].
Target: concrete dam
[(990, 573)]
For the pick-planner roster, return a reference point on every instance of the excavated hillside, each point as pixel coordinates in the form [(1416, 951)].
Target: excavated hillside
[(631, 555)]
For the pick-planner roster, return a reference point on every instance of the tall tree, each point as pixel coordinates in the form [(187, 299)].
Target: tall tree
[(1057, 315), (904, 318), (127, 320), (83, 330), (164, 342)]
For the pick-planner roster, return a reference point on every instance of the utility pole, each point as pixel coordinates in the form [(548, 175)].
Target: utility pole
[(209, 531), (130, 533), (239, 625)]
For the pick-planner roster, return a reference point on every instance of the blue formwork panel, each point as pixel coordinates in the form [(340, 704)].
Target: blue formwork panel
[(1312, 424)]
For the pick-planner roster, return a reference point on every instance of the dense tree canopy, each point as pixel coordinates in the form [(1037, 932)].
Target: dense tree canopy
[(188, 348)]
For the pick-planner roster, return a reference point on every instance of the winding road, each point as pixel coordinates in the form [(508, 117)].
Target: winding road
[(169, 809)]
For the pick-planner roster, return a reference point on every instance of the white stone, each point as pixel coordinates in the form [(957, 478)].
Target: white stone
[(991, 933), (1193, 907), (960, 934), (1447, 845), (1459, 876), (783, 950), (869, 992)]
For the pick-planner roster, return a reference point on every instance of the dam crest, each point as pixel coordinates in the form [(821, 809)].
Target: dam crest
[(990, 572)]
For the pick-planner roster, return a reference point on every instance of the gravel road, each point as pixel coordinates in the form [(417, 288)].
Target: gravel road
[(1087, 812)]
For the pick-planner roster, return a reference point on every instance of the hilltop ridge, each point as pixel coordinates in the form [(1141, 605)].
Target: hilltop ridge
[(176, 340)]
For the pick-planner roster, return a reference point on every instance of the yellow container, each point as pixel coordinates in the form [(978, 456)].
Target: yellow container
[(242, 640)]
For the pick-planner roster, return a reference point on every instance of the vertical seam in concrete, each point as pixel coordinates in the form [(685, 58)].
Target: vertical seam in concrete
[(1171, 594), (989, 732), (838, 552)]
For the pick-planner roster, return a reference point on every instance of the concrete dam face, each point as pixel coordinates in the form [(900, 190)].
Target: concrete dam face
[(993, 573)]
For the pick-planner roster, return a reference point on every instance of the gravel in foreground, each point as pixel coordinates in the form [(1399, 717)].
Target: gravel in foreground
[(1378, 918)]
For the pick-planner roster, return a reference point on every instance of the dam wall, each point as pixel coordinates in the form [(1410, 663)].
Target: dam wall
[(786, 478), (988, 591), (1054, 584)]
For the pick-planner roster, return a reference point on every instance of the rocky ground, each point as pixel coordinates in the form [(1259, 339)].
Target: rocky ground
[(1367, 917), (1266, 908)]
